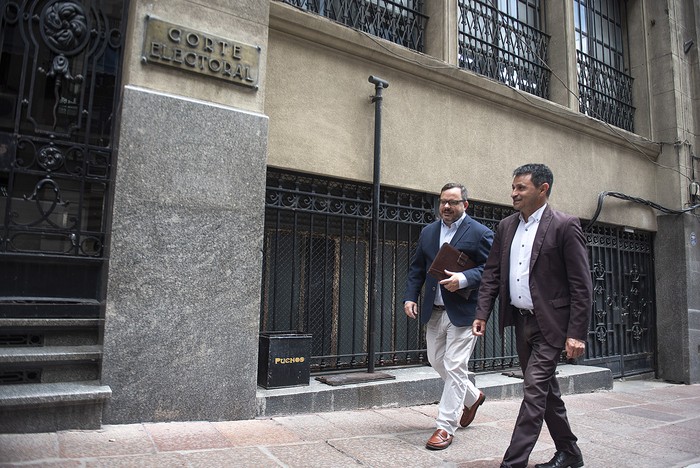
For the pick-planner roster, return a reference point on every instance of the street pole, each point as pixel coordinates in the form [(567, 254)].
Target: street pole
[(373, 299)]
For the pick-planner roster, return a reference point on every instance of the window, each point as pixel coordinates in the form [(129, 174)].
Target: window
[(502, 39), (398, 21), (605, 90)]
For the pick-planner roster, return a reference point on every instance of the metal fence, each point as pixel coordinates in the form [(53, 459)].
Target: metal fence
[(398, 21), (499, 46), (316, 270), (604, 92)]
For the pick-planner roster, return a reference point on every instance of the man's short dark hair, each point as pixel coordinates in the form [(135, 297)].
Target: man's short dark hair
[(539, 173), (452, 185)]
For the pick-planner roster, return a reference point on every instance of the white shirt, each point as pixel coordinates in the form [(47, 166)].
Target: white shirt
[(520, 253), (446, 235)]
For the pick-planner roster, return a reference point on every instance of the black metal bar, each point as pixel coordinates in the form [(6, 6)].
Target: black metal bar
[(379, 85), (400, 22)]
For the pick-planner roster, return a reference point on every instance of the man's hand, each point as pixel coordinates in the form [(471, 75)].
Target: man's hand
[(574, 348), (411, 309), (478, 327), (451, 283)]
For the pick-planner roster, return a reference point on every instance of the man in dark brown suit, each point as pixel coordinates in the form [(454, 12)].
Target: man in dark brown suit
[(538, 267)]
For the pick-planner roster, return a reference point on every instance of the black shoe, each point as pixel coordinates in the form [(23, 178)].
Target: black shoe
[(563, 460)]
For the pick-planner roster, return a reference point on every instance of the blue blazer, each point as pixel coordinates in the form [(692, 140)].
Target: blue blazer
[(472, 238)]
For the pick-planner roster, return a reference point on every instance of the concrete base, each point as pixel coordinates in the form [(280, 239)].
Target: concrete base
[(413, 386)]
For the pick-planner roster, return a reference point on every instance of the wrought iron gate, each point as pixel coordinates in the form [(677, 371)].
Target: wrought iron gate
[(316, 271), (316, 268), (59, 89), (622, 333)]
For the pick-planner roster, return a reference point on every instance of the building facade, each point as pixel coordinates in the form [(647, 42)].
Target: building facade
[(178, 177)]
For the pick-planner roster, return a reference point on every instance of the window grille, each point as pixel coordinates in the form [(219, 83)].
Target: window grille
[(503, 41), (605, 90), (398, 21)]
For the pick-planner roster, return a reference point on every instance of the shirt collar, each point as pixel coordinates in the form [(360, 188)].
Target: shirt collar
[(534, 217), (454, 225)]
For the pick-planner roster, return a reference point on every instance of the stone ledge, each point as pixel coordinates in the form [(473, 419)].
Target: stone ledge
[(413, 386), (52, 394), (50, 354), (52, 407)]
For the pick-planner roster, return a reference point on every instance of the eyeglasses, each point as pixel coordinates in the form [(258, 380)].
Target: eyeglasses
[(451, 202)]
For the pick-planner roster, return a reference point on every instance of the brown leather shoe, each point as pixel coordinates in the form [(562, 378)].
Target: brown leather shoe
[(439, 440), (469, 413)]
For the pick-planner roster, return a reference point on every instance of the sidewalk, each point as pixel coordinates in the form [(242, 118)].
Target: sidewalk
[(637, 424)]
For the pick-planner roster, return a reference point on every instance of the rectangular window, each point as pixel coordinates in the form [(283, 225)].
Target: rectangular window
[(398, 21), (502, 40), (605, 90)]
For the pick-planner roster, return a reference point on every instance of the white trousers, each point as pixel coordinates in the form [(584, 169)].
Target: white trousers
[(449, 349)]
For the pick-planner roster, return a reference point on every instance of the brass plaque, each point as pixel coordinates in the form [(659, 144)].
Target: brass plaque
[(199, 52)]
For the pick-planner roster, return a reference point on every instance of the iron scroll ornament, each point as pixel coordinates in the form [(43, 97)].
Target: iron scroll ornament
[(65, 27)]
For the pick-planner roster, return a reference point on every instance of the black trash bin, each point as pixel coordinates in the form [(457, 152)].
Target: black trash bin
[(283, 359)]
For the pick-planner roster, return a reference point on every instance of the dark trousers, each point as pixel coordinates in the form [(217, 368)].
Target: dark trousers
[(542, 398)]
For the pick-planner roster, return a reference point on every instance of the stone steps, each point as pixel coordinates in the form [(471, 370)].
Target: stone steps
[(49, 371), (48, 407)]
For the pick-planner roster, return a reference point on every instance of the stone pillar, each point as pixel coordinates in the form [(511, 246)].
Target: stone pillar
[(441, 32), (183, 299), (677, 258), (559, 21)]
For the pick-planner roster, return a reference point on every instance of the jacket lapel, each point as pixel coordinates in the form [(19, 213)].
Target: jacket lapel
[(539, 236), (461, 230), (508, 240), (434, 238)]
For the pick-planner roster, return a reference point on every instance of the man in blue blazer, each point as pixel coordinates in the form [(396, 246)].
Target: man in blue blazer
[(538, 268), (445, 311)]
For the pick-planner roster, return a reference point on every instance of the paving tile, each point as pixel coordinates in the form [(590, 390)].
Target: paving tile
[(633, 446), (240, 457), (679, 391), (311, 427), (631, 421), (681, 431), (311, 455), (692, 424), (358, 423), (594, 402), (387, 452), (498, 410), (429, 410), (186, 436), (27, 447), (46, 463), (154, 460), (256, 432), (682, 406), (644, 412), (479, 441), (488, 463), (408, 418), (647, 425), (597, 424), (683, 442), (128, 439), (594, 458)]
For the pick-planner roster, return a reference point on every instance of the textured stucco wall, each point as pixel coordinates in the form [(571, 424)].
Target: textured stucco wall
[(439, 124)]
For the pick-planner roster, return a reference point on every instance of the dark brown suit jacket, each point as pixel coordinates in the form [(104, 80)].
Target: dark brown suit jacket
[(560, 279)]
